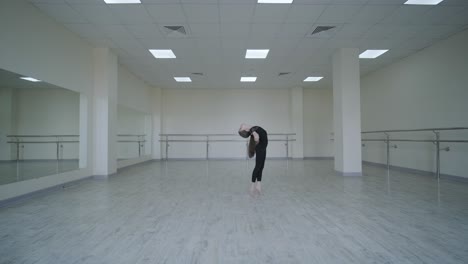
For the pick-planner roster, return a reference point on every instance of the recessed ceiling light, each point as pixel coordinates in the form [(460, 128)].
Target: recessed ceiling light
[(248, 79), (312, 79), (30, 79), (122, 1), (371, 54), (183, 79), (423, 2), (256, 53), (275, 1), (163, 53)]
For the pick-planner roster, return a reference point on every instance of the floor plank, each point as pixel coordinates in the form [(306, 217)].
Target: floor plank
[(201, 212)]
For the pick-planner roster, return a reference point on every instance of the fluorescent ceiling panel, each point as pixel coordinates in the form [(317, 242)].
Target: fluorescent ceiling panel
[(275, 1), (122, 1), (248, 79), (312, 79), (371, 54), (423, 2), (30, 79), (183, 79), (163, 54), (256, 53)]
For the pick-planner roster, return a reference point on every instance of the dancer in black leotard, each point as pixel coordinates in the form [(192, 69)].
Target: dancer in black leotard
[(260, 137)]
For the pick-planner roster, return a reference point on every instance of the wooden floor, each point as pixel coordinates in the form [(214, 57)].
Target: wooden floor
[(201, 212)]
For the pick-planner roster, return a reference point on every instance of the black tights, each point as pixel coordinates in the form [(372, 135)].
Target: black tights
[(260, 155)]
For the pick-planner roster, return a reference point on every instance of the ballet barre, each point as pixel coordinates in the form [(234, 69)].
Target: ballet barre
[(207, 140), (140, 140), (436, 141), (58, 142)]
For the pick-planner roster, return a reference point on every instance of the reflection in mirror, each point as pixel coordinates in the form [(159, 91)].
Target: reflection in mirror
[(39, 128), (133, 134)]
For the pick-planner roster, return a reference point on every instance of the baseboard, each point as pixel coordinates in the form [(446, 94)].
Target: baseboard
[(103, 177), (7, 161), (416, 171), (201, 159), (184, 159), (136, 164), (27, 196), (348, 174), (319, 158), (100, 177)]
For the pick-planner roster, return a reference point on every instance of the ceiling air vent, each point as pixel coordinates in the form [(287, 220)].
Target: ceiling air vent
[(321, 29), (175, 31)]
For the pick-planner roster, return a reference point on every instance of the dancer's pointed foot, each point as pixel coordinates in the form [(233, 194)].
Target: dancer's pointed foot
[(252, 189), (258, 187)]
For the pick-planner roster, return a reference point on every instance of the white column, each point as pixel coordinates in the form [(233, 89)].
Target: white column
[(347, 112), (156, 103), (297, 122), (105, 112)]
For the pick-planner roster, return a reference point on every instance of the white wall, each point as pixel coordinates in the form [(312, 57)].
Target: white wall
[(425, 90), (318, 122), (133, 93), (221, 112)]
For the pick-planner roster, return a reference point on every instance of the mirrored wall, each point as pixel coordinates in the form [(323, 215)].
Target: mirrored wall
[(134, 135), (39, 128)]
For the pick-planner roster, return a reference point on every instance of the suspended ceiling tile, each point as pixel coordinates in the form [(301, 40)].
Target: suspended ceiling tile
[(294, 30), (167, 13), (205, 30), (115, 31), (270, 13), (405, 15), (131, 14), (265, 30), (304, 13), (62, 13), (371, 14), (201, 13), (236, 13), (235, 30), (144, 31), (97, 14), (338, 14), (85, 30)]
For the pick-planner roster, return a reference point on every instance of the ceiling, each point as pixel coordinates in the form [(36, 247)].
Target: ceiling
[(220, 31)]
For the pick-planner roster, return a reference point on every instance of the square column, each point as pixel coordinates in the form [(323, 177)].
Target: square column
[(105, 112), (347, 112)]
